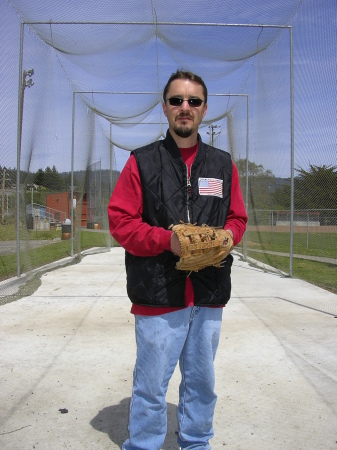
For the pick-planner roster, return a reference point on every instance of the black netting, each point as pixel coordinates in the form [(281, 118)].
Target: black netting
[(96, 93)]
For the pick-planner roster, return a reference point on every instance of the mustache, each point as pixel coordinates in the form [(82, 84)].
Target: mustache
[(184, 114)]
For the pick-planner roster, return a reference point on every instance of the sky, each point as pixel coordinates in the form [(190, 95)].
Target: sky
[(129, 60)]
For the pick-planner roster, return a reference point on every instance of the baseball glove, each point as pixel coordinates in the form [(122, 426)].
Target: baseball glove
[(201, 246)]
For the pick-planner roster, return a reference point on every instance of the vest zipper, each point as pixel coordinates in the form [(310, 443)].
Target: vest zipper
[(189, 194)]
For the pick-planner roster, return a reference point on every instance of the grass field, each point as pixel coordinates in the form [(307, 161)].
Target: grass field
[(318, 244), (37, 257)]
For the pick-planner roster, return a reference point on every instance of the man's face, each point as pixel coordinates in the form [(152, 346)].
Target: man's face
[(184, 120)]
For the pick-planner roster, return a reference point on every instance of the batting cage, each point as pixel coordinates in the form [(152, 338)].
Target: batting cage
[(82, 87)]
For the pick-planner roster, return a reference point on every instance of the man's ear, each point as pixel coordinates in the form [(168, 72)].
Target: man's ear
[(205, 110), (164, 109)]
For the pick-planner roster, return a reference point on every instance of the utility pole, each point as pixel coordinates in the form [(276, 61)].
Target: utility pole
[(212, 133), (5, 177)]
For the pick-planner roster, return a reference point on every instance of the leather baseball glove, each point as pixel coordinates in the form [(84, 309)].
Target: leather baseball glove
[(201, 246)]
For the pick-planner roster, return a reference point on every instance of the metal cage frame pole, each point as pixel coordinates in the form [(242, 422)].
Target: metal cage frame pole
[(72, 176), (209, 95), (21, 88), (292, 151), (163, 24), (111, 179), (245, 238)]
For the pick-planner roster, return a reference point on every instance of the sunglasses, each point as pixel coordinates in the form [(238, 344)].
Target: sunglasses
[(178, 101)]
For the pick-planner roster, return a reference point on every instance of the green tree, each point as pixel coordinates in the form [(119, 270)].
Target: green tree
[(39, 178), (50, 179), (261, 184), (281, 196), (67, 182), (54, 180), (315, 188)]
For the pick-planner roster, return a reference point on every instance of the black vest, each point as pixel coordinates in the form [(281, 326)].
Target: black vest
[(168, 198)]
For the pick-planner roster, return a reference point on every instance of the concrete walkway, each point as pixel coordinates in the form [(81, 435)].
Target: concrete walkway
[(68, 350)]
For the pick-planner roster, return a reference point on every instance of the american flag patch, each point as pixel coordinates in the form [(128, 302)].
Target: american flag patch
[(210, 186)]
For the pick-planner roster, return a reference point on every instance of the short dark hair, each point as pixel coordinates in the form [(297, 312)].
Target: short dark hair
[(185, 75)]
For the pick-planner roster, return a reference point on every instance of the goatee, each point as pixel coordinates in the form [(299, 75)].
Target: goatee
[(183, 132)]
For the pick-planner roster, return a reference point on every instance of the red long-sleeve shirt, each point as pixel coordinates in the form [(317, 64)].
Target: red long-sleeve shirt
[(141, 239)]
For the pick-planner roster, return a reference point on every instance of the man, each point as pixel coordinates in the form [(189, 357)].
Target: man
[(177, 315)]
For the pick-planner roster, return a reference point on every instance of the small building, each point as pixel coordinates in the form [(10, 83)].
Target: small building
[(36, 218), (58, 207)]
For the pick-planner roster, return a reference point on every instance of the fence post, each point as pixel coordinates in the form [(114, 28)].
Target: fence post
[(307, 228)]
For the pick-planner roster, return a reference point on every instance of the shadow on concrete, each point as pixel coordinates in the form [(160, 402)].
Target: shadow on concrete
[(113, 420)]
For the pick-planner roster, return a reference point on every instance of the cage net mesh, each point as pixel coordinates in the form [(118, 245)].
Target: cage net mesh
[(95, 94)]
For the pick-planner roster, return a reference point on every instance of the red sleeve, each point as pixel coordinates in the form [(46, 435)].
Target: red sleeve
[(237, 216), (125, 216)]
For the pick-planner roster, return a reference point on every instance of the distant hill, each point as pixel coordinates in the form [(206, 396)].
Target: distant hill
[(280, 182)]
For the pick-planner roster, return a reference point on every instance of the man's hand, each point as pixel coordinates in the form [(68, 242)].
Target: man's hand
[(175, 245), (231, 233)]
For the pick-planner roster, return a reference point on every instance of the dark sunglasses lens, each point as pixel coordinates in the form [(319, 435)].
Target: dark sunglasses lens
[(175, 101), (194, 101)]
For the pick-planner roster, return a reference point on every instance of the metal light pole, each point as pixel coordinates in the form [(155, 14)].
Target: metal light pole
[(23, 83)]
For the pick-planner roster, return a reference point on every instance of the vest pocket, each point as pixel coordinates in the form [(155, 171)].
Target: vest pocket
[(154, 281), (212, 285)]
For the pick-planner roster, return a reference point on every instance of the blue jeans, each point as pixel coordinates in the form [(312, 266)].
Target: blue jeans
[(190, 336)]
